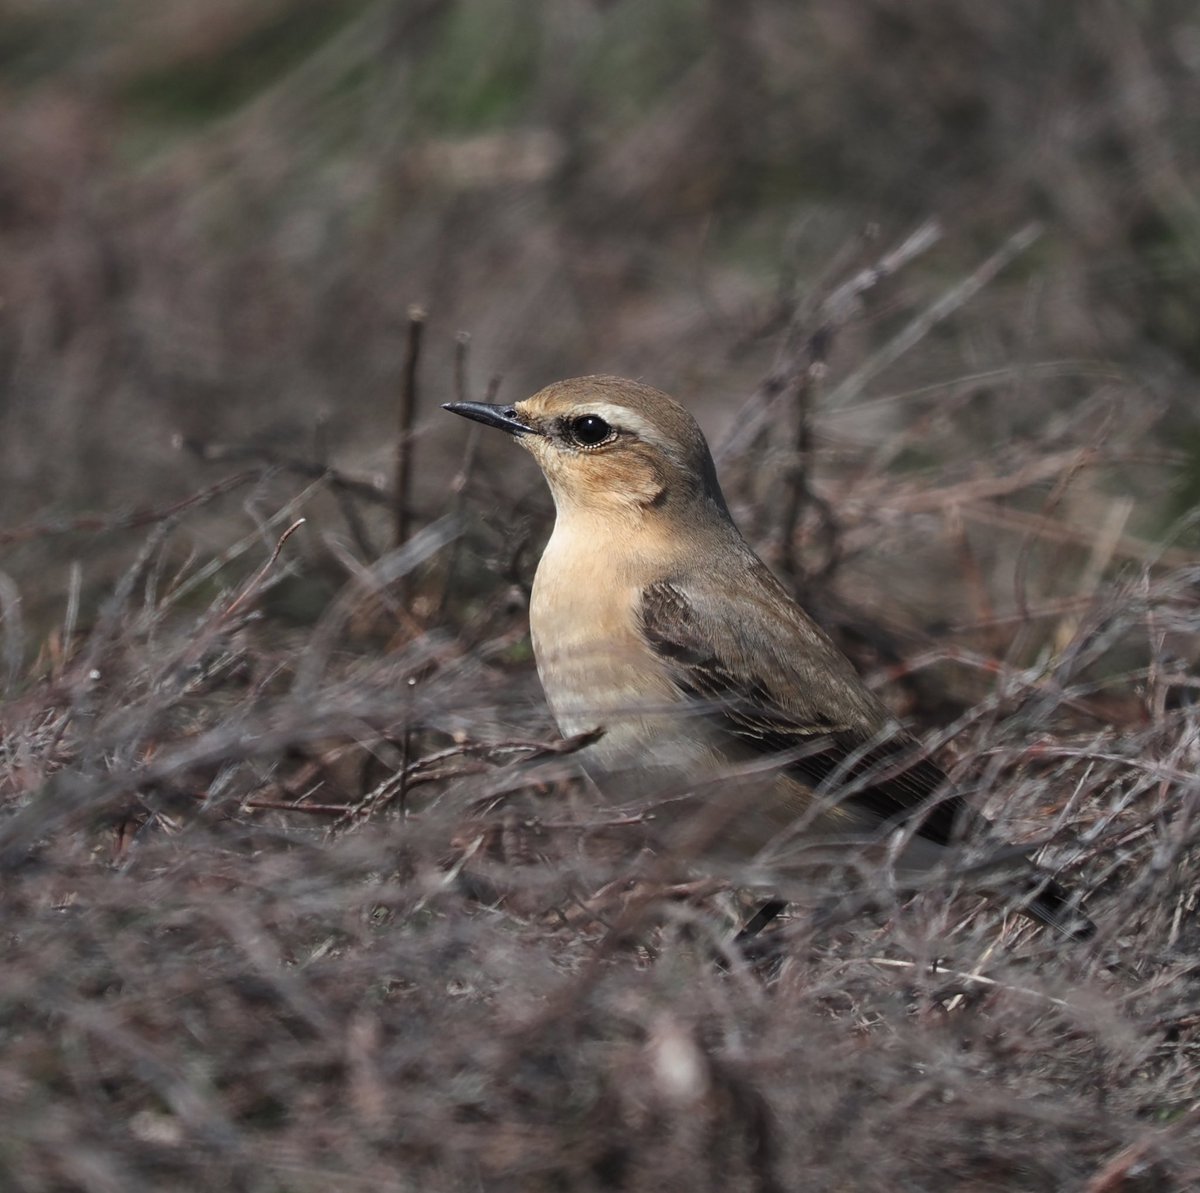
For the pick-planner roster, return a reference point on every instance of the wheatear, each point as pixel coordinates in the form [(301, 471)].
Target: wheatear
[(719, 697)]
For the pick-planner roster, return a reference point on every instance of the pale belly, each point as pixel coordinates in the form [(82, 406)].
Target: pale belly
[(597, 673)]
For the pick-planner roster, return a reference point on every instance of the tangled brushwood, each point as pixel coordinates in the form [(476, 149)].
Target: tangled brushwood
[(300, 889), (301, 904)]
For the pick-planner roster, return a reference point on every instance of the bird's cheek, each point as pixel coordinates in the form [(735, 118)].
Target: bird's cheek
[(548, 458), (643, 484), (563, 484)]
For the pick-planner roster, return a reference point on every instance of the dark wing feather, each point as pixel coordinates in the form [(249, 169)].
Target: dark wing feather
[(778, 685), (774, 681)]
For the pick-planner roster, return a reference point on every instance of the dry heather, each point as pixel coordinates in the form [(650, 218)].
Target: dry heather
[(313, 905), (298, 891)]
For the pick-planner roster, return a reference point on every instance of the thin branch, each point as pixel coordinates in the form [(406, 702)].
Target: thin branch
[(145, 516), (975, 979), (919, 327), (252, 586), (462, 478), (800, 492), (833, 313), (462, 344), (406, 416), (307, 469)]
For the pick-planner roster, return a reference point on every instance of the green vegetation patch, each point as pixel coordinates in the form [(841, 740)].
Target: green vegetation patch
[(209, 86)]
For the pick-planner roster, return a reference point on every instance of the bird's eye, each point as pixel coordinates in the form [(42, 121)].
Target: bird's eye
[(590, 430)]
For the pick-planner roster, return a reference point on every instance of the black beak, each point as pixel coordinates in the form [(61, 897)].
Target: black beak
[(503, 417)]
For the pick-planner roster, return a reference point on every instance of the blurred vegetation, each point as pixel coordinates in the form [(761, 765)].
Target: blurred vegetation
[(214, 221), (217, 80), (217, 216)]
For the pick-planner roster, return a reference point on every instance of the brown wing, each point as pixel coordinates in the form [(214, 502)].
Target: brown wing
[(772, 680)]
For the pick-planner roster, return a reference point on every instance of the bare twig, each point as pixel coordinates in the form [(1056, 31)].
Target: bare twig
[(799, 367), (800, 492), (833, 313), (974, 979), (384, 573), (406, 417), (462, 478), (252, 586), (462, 344), (1125, 546), (1052, 502), (13, 650), (147, 516), (920, 326), (431, 769), (340, 482)]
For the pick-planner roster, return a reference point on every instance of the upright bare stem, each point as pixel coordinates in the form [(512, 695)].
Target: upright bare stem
[(407, 416)]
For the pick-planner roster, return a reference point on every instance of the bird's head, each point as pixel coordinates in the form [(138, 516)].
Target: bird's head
[(610, 447)]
